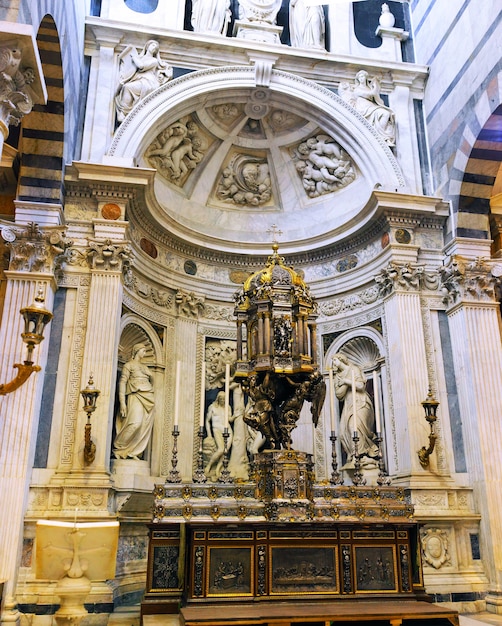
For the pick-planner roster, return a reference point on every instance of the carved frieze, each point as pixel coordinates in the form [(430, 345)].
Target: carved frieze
[(349, 303), (322, 165)]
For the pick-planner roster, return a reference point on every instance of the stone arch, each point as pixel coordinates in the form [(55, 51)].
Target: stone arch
[(42, 132), (479, 163), (174, 99)]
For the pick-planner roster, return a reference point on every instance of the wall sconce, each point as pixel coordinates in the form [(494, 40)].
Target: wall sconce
[(430, 405), (90, 395), (36, 317)]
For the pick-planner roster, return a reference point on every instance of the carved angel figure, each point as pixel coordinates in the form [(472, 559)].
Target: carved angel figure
[(140, 74), (364, 96)]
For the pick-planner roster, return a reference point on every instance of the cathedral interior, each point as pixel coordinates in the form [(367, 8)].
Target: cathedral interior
[(250, 299)]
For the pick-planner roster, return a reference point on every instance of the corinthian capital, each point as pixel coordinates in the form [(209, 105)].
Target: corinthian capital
[(468, 279), (16, 94), (106, 255), (404, 277), (33, 249)]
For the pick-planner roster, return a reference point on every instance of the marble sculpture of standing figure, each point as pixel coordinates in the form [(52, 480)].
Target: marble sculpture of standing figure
[(210, 16), (136, 400), (306, 25), (215, 426), (364, 422)]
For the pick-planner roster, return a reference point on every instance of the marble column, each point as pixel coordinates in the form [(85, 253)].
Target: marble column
[(474, 320)]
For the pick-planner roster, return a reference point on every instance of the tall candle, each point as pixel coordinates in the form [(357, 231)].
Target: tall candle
[(354, 403), (331, 400), (177, 395), (202, 395), (376, 393), (227, 393)]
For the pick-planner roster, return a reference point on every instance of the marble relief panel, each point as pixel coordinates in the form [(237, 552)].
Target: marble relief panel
[(322, 165), (178, 149), (244, 181)]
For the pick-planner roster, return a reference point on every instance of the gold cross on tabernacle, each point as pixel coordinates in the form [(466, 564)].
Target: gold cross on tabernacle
[(274, 231)]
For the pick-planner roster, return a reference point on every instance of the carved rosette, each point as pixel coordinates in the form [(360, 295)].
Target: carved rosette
[(33, 249)]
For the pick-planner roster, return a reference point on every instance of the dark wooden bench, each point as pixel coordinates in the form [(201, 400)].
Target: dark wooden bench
[(290, 613)]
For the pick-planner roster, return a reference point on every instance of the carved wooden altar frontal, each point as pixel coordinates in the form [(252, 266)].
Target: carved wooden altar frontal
[(251, 561)]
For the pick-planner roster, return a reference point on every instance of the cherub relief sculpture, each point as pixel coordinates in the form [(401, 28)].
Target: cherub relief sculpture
[(177, 150), (245, 181), (364, 95), (323, 166), (140, 73)]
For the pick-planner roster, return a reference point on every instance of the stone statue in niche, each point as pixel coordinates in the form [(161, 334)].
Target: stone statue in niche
[(434, 547), (139, 74), (357, 412), (177, 150), (259, 10), (245, 181), (306, 25), (364, 96), (210, 16), (322, 165), (136, 403), (219, 353)]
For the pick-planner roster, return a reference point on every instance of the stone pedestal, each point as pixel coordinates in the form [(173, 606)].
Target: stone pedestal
[(257, 31), (284, 482)]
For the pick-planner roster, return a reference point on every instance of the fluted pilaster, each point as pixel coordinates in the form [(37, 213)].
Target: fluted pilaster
[(19, 414), (409, 378)]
